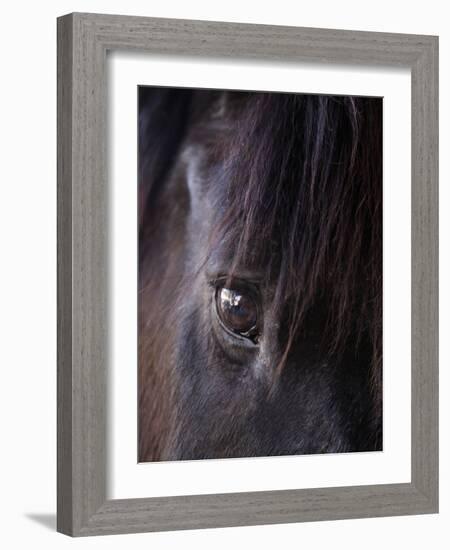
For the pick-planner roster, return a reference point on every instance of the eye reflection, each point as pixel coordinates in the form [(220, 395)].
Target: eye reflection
[(238, 312)]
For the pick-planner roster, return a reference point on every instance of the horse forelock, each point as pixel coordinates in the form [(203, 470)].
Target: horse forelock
[(300, 190)]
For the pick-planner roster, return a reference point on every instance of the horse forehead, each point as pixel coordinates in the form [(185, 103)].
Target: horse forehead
[(205, 179)]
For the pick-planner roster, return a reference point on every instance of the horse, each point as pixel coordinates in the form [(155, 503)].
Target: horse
[(260, 274)]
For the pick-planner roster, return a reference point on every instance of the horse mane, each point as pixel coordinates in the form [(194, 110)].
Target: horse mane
[(303, 183)]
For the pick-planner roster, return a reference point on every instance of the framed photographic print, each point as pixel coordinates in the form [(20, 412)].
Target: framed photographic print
[(247, 274)]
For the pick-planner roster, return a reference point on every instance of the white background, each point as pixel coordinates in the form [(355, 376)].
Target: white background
[(127, 479), (28, 275)]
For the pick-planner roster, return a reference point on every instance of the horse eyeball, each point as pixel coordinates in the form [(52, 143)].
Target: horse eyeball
[(237, 311)]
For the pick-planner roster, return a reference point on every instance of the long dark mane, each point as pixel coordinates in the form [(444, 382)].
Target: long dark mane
[(303, 180)]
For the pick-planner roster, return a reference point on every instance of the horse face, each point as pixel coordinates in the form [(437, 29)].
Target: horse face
[(225, 373), (232, 399)]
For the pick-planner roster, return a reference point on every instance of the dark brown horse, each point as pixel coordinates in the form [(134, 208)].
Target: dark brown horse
[(260, 276)]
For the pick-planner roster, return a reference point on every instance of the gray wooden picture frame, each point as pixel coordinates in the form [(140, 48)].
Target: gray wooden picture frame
[(83, 41)]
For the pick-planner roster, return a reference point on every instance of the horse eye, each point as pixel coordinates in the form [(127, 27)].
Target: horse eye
[(237, 311)]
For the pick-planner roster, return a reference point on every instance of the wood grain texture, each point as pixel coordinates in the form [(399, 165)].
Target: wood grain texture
[(64, 298), (83, 320), (424, 279)]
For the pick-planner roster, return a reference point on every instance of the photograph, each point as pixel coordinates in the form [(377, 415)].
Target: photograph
[(223, 238), (260, 277)]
